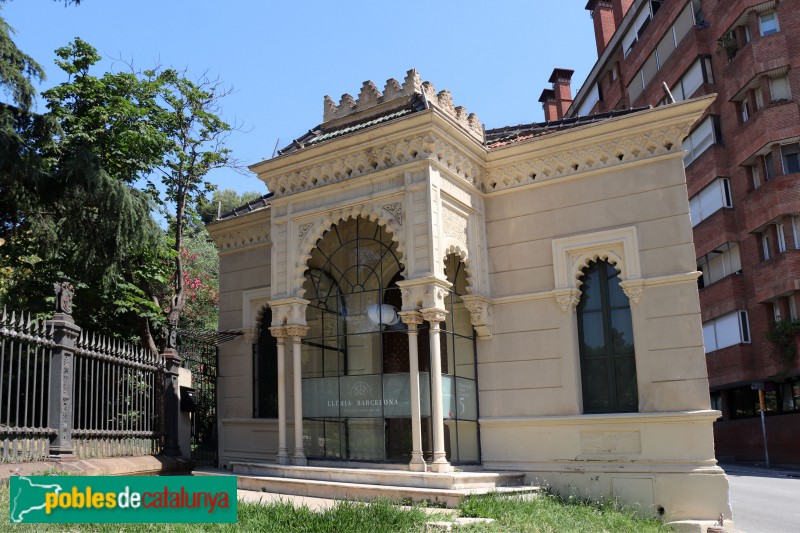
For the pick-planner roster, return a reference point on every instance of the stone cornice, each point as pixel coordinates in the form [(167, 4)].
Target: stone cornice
[(243, 231), (431, 136), (647, 134), (707, 416)]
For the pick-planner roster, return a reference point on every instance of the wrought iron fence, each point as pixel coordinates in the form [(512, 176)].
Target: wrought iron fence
[(198, 350), (67, 393), (26, 346), (117, 405)]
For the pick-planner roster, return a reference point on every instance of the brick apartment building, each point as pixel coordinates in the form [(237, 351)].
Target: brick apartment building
[(742, 164)]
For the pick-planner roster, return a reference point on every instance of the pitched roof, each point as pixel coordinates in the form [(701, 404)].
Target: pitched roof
[(249, 207), (333, 129), (498, 137)]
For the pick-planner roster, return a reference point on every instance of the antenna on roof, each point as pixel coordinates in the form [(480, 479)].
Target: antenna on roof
[(666, 90), (274, 150)]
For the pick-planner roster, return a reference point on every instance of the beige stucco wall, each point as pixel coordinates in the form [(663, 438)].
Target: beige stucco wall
[(529, 370), (662, 457)]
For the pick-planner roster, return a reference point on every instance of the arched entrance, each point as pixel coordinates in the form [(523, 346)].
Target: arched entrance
[(355, 356)]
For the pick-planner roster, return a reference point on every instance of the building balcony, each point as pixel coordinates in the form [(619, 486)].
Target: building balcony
[(779, 276), (769, 125), (777, 197), (756, 57), (719, 228), (722, 297), (730, 365), (708, 166)]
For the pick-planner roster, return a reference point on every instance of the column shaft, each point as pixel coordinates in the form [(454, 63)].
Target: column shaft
[(413, 319), (283, 451), (296, 333), (440, 463)]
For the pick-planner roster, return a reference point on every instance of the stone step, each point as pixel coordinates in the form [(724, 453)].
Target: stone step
[(369, 476), (362, 491)]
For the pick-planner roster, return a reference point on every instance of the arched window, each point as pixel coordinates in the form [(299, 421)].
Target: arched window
[(265, 371), (608, 362)]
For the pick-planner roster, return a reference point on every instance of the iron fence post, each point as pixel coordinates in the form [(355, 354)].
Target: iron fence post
[(172, 445), (65, 332)]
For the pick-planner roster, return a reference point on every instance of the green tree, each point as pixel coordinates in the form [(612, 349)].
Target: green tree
[(79, 214), (223, 201), (190, 119), (68, 177)]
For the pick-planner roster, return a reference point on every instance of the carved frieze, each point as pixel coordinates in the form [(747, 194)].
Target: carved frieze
[(242, 238), (602, 155), (374, 159)]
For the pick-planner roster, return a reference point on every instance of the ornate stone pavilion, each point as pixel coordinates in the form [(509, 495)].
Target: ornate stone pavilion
[(419, 293)]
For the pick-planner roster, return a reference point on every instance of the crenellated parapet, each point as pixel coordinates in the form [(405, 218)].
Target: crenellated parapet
[(370, 96)]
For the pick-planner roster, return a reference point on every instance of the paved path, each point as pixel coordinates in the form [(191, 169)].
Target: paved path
[(764, 501)]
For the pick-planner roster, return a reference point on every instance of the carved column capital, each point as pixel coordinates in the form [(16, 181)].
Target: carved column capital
[(480, 313), (633, 289), (412, 319), (296, 331), (434, 316), (279, 332), (567, 298)]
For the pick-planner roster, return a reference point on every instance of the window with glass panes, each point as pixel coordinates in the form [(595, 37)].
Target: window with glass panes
[(265, 371), (605, 330)]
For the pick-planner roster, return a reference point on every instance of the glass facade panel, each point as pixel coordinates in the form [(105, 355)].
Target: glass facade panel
[(355, 357)]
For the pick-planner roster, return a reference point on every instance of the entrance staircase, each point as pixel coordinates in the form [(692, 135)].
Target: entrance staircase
[(371, 483)]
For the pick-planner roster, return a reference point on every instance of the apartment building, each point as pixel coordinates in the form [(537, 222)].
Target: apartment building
[(742, 161)]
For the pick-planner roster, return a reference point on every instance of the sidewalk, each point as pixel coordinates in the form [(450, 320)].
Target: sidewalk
[(759, 469)]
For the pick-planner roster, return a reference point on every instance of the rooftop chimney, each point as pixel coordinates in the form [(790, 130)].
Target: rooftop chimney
[(621, 8), (604, 15), (561, 79), (549, 104)]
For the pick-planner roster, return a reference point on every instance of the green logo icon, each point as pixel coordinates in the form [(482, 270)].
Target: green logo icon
[(124, 499)]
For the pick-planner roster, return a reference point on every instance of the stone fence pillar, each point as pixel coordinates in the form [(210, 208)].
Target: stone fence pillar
[(65, 332)]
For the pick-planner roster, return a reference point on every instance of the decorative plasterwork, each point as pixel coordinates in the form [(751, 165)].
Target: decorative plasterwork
[(412, 319), (633, 290), (454, 226), (567, 298), (315, 229), (396, 210), (423, 293), (253, 303), (303, 230), (242, 237), (288, 312), (434, 316), (374, 159), (592, 157), (480, 314), (619, 246)]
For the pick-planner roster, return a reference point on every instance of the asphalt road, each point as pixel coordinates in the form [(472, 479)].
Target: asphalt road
[(764, 501)]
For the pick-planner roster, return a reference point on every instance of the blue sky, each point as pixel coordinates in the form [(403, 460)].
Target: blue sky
[(283, 57)]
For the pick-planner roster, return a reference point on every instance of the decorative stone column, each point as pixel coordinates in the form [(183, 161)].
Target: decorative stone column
[(279, 332), (297, 332), (413, 319), (440, 464), (65, 333)]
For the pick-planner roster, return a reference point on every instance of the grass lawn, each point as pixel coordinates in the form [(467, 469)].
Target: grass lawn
[(547, 513)]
